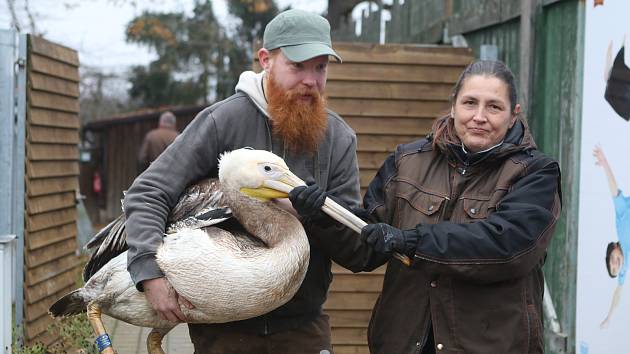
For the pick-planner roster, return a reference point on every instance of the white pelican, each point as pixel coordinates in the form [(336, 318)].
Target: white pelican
[(226, 271)]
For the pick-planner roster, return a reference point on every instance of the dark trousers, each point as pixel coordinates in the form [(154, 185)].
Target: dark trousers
[(310, 338)]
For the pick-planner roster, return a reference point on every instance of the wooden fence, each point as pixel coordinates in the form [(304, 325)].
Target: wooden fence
[(52, 170)]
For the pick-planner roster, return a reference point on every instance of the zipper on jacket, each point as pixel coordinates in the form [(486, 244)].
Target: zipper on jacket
[(269, 134), (316, 168)]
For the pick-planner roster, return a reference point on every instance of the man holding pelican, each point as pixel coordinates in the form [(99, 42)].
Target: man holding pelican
[(281, 109)]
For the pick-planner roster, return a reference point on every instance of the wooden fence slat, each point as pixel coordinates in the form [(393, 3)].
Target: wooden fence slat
[(63, 136), (388, 90), (38, 326), (43, 169), (40, 308), (349, 336), (47, 338), (349, 318), (351, 282), (38, 239), (387, 108), (351, 349), (350, 301), (52, 252), (394, 73), (41, 99), (49, 270), (52, 67), (383, 143), (402, 54), (42, 186), (52, 152), (36, 205), (54, 85), (337, 269), (53, 50), (49, 118), (373, 160), (366, 176), (54, 218), (389, 126), (54, 285)]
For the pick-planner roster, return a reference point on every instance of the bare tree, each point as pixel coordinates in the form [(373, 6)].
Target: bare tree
[(15, 22)]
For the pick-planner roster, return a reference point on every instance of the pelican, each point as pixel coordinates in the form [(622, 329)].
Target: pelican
[(228, 249)]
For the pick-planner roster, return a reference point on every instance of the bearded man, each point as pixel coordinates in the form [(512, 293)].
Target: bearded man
[(281, 109)]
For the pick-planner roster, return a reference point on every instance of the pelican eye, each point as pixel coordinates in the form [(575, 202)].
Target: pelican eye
[(267, 168)]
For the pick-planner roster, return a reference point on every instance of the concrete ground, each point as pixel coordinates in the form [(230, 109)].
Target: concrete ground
[(129, 339)]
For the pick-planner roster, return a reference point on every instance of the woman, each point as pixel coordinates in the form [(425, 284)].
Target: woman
[(474, 205)]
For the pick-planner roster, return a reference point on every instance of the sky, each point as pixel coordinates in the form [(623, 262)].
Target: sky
[(96, 28)]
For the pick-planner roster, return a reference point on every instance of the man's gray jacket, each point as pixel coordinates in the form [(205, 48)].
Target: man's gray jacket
[(239, 121)]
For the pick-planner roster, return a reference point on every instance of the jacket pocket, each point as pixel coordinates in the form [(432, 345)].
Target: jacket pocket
[(416, 206), (478, 207)]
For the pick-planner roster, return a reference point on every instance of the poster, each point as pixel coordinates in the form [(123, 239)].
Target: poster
[(603, 306)]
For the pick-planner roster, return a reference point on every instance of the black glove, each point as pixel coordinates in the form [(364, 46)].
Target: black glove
[(387, 239), (308, 201)]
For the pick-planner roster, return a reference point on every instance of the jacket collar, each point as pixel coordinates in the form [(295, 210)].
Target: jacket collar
[(517, 138)]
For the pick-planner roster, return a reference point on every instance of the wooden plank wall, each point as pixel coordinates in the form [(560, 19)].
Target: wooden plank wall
[(389, 94), (52, 169), (116, 157)]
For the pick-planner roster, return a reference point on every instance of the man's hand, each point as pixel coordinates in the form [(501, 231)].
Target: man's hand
[(165, 300), (387, 239)]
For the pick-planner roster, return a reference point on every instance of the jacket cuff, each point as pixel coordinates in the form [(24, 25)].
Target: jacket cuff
[(144, 268)]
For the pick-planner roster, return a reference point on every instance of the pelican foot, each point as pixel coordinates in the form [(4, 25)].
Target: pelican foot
[(154, 341), (102, 339)]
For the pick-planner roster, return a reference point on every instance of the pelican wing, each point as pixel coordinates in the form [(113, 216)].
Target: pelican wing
[(198, 206)]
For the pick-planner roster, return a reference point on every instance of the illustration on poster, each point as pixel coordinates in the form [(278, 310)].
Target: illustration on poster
[(616, 263), (617, 76)]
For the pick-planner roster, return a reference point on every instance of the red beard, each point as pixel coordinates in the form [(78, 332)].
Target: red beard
[(300, 123)]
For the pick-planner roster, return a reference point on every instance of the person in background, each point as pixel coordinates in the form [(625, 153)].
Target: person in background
[(157, 140), (474, 206), (616, 262), (283, 110)]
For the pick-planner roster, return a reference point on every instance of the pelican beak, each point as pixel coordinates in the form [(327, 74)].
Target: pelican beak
[(284, 184), (287, 181), (275, 188)]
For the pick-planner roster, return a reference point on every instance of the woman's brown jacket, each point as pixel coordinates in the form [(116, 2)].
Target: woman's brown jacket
[(485, 222)]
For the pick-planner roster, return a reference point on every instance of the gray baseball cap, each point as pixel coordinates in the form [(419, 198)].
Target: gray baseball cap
[(301, 35)]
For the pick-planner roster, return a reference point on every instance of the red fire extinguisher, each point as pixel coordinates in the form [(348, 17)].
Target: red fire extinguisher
[(97, 184)]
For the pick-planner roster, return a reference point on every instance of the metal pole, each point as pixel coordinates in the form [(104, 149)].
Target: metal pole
[(6, 247), (19, 152)]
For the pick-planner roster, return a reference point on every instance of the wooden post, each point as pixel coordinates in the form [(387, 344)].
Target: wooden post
[(526, 55)]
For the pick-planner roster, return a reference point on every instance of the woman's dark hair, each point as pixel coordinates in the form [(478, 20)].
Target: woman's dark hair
[(443, 128), (609, 249)]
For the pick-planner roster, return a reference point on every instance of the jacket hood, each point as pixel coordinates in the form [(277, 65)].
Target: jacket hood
[(251, 84)]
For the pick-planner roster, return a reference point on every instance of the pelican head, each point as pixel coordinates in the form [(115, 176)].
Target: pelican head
[(259, 174)]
